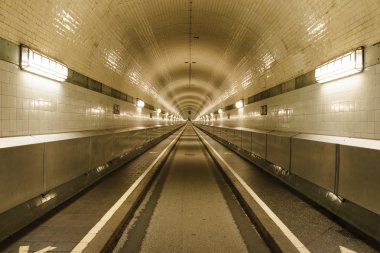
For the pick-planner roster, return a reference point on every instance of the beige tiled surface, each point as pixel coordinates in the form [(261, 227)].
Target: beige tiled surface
[(140, 46), (35, 105), (347, 107)]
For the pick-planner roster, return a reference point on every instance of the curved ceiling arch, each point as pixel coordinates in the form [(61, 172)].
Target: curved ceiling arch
[(190, 102), (140, 47)]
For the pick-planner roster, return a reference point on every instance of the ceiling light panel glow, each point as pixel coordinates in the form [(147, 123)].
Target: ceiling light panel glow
[(345, 65), (39, 64), (140, 103), (239, 104)]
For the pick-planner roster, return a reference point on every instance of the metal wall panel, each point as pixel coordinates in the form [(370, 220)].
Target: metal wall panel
[(132, 139), (359, 176), (21, 174), (150, 133), (30, 166), (230, 135), (314, 161), (259, 144), (217, 131), (220, 132), (66, 160), (278, 148), (246, 140), (121, 144), (236, 138), (101, 150)]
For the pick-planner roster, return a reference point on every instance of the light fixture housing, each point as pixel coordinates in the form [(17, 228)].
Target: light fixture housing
[(239, 104), (140, 103), (345, 65), (220, 111), (39, 64)]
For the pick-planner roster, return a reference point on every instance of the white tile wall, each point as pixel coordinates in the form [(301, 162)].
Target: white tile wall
[(347, 107), (30, 104)]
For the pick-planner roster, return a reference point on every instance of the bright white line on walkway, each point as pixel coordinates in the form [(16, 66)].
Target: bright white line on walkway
[(44, 250), (23, 249), (98, 226), (292, 238)]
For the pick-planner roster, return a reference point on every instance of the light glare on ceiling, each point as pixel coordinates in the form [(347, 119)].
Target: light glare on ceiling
[(39, 64), (345, 65)]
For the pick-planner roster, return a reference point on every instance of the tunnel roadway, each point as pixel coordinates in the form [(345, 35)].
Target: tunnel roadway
[(188, 207)]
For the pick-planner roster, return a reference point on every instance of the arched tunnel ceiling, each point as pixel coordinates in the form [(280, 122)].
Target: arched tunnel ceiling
[(142, 47)]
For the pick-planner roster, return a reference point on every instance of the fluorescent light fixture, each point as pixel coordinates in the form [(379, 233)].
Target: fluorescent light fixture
[(345, 65), (39, 64), (158, 110), (220, 111), (239, 104), (140, 103)]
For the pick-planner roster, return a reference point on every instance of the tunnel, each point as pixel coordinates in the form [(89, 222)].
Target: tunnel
[(190, 126)]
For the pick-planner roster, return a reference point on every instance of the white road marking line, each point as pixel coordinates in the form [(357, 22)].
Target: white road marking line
[(292, 238), (46, 249), (345, 250), (23, 249), (98, 226)]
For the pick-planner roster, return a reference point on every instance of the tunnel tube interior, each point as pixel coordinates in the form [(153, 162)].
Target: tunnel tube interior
[(292, 86)]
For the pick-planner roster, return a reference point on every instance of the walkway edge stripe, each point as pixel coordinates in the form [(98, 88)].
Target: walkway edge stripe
[(285, 230), (107, 216)]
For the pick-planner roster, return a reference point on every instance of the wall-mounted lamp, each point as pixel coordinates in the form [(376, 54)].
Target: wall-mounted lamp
[(239, 104), (345, 65), (220, 111), (39, 64), (140, 103)]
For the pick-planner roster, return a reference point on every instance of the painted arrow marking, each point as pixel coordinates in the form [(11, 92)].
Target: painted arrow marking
[(25, 249)]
